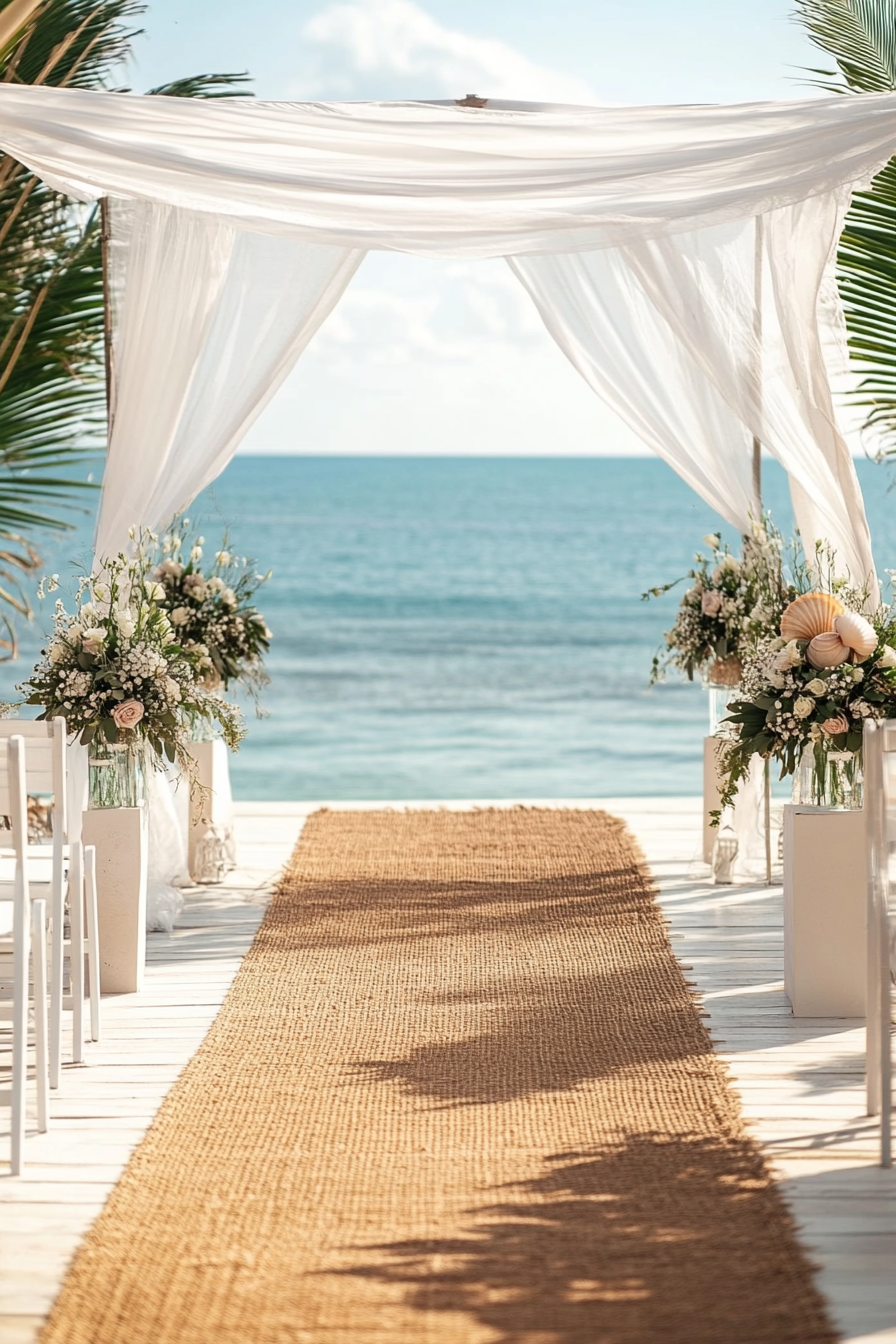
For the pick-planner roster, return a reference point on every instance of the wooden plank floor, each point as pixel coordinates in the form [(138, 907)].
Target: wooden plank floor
[(801, 1080)]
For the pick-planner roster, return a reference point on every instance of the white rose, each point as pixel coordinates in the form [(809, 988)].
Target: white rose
[(803, 706), (125, 622), (94, 634), (169, 569), (816, 686), (180, 615), (887, 657), (726, 565), (196, 587)]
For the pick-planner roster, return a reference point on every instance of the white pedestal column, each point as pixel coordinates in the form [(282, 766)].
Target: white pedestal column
[(119, 834), (711, 800), (824, 912), (213, 805)]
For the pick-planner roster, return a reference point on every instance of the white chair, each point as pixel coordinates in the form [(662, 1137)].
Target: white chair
[(880, 830), (29, 956), (46, 772)]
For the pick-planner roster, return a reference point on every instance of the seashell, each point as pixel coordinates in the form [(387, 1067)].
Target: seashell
[(827, 650), (809, 615), (858, 633), (725, 671)]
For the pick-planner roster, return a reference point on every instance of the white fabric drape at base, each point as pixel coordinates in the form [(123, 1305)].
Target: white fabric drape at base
[(209, 320), (166, 868)]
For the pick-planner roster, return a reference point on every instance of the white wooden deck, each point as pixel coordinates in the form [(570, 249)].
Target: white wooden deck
[(801, 1080)]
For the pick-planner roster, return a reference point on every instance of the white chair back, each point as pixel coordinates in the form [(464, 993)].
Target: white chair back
[(47, 771), (29, 932), (14, 793), (880, 832), (45, 763)]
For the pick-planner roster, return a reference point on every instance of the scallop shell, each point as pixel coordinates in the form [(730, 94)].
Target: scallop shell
[(810, 615), (827, 650), (858, 633)]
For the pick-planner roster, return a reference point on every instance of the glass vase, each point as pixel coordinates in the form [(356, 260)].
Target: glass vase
[(720, 697), (829, 778), (203, 730), (116, 774)]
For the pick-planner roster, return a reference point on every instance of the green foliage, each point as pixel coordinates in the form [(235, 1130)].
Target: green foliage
[(52, 379), (861, 37)]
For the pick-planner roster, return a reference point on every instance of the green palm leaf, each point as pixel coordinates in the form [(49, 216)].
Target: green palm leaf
[(861, 37), (52, 377)]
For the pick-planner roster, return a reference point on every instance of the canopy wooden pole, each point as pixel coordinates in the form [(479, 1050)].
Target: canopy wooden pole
[(757, 493), (105, 234), (757, 356)]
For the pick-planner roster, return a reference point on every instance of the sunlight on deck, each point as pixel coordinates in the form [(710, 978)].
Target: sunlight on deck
[(801, 1080)]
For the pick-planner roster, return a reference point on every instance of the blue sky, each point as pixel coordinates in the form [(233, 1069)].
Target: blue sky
[(447, 357)]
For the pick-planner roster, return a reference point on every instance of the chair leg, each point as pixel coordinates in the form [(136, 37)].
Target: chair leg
[(93, 941), (39, 973), (19, 1039), (57, 959), (76, 950)]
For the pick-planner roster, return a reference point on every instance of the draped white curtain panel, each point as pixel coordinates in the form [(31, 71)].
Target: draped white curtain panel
[(680, 257)]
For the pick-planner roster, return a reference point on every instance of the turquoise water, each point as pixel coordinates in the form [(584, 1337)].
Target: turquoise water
[(469, 627)]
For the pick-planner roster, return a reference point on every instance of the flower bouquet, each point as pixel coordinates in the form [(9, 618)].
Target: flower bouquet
[(731, 603), (212, 609), (117, 672), (807, 691)]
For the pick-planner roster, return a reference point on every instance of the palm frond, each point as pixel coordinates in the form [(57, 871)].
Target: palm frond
[(52, 377), (206, 86), (861, 37)]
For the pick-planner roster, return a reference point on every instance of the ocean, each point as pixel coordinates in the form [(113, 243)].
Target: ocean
[(466, 627)]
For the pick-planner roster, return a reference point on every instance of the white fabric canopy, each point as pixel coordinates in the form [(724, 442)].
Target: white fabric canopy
[(209, 320), (660, 310), (703, 341), (442, 180)]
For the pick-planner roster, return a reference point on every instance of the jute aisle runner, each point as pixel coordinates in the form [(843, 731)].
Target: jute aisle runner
[(458, 1093)]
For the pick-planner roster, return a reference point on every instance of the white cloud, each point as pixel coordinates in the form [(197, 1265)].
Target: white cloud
[(460, 312), (425, 356), (394, 49)]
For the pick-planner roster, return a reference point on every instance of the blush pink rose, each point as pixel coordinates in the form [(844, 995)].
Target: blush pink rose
[(838, 724), (711, 603), (128, 714)]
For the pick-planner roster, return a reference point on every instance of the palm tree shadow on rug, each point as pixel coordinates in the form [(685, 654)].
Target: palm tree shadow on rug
[(673, 1239), (547, 1035)]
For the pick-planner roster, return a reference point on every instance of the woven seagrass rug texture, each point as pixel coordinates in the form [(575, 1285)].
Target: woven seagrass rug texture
[(459, 1093)]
